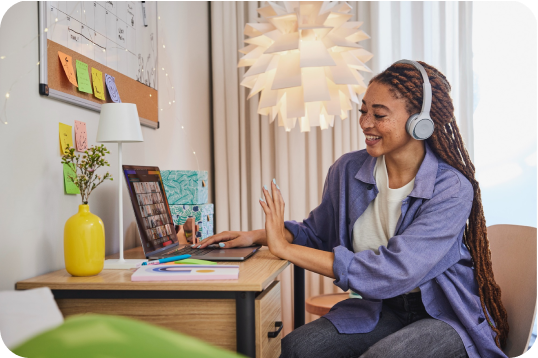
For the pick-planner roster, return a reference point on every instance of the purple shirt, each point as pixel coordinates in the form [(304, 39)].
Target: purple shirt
[(426, 250)]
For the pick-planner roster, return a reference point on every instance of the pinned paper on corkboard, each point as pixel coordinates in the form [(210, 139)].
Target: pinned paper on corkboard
[(97, 80), (66, 138), (67, 63), (84, 84), (81, 138), (112, 90)]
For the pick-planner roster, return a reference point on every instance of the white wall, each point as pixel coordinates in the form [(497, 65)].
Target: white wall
[(33, 206)]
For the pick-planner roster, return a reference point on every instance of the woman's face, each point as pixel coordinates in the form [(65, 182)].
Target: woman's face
[(383, 118)]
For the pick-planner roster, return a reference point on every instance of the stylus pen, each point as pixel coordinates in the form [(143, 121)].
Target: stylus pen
[(168, 259)]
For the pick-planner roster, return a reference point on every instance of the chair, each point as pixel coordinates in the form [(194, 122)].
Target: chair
[(322, 304), (513, 255)]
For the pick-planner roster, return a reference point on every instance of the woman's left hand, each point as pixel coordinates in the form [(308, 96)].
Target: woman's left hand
[(273, 206)]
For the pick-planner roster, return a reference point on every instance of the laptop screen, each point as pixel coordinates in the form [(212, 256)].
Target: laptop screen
[(150, 206)]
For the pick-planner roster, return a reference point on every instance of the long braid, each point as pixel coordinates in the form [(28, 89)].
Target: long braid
[(404, 80)]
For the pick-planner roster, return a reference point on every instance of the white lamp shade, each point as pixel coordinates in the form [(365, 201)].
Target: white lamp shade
[(119, 122)]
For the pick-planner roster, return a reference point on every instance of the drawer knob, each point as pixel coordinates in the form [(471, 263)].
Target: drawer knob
[(277, 332)]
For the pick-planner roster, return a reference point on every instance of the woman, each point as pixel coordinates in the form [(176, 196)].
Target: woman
[(429, 291)]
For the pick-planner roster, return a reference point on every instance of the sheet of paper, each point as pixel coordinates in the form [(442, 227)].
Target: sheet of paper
[(112, 90), (70, 187), (68, 67), (81, 139), (97, 80), (66, 137), (84, 84)]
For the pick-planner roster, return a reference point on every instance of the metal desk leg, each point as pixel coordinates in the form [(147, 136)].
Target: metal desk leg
[(245, 323), (298, 297)]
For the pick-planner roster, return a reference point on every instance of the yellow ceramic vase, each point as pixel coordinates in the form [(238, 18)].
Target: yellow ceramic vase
[(84, 243)]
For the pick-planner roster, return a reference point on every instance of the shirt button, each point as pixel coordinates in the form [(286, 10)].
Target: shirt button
[(370, 186)]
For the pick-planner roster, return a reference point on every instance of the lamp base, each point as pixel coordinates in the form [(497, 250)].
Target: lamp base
[(115, 264)]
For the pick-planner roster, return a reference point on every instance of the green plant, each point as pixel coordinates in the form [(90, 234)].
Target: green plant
[(86, 178)]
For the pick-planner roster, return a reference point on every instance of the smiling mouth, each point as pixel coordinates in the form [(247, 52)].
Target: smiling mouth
[(372, 137)]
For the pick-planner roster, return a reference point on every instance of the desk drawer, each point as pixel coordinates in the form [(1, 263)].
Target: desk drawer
[(268, 312)]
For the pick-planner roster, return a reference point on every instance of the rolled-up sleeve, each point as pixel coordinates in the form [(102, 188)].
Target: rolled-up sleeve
[(316, 230), (429, 244)]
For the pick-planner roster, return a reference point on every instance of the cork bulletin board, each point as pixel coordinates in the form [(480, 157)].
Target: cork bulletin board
[(116, 38)]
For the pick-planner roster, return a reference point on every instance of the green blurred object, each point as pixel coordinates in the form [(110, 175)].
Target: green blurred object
[(102, 336)]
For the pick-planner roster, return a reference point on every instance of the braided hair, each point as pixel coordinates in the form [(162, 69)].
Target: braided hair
[(405, 81)]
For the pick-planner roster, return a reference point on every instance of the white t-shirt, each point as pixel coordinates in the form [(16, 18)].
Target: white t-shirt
[(377, 224)]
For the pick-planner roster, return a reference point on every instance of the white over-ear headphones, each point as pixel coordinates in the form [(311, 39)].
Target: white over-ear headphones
[(419, 125)]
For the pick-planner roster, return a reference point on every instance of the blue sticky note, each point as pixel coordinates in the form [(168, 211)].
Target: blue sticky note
[(112, 90)]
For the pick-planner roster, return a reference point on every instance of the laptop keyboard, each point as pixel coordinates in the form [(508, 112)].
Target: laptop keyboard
[(187, 250)]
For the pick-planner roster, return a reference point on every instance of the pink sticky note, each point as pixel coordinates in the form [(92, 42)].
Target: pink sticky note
[(80, 136)]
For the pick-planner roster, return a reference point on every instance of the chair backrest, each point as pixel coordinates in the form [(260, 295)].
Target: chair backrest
[(513, 255)]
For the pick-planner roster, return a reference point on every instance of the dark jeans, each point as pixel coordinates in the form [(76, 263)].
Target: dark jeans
[(404, 329)]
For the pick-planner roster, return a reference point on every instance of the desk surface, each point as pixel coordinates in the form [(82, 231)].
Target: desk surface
[(255, 274)]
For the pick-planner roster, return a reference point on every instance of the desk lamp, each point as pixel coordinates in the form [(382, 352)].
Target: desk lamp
[(119, 123)]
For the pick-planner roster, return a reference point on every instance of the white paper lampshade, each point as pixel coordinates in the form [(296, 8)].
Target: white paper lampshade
[(305, 62), (119, 123)]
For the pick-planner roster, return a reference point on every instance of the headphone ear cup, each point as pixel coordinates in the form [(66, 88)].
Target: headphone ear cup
[(424, 128), (419, 129), (410, 125)]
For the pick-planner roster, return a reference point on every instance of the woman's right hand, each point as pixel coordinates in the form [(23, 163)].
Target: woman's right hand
[(228, 239)]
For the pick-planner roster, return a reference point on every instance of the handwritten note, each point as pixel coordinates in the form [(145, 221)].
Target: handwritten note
[(112, 90), (97, 80), (68, 67), (81, 138), (84, 84), (66, 138), (69, 173)]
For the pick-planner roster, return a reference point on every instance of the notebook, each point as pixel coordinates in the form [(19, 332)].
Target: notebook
[(186, 273)]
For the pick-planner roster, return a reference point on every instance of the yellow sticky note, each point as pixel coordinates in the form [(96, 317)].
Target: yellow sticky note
[(67, 63), (66, 137), (98, 88)]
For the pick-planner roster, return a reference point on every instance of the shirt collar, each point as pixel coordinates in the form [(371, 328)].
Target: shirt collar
[(424, 180)]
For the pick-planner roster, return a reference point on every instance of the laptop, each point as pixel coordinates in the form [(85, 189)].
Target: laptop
[(155, 223)]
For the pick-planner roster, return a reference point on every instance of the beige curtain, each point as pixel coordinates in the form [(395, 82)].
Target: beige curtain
[(249, 152)]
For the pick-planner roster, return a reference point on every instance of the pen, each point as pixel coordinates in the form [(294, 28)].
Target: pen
[(168, 259)]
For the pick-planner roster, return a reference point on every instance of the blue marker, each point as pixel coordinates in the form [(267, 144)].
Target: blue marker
[(168, 259)]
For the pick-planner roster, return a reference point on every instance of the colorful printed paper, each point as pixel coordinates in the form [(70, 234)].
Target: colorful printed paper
[(69, 186), (68, 67), (112, 90), (97, 80), (185, 186), (84, 84), (186, 273), (66, 138), (81, 139), (203, 215)]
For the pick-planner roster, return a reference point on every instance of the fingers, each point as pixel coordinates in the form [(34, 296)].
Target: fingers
[(268, 198), (223, 236), (277, 198)]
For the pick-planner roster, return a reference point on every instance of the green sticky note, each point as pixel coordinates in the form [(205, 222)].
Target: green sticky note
[(195, 262), (69, 186), (83, 77)]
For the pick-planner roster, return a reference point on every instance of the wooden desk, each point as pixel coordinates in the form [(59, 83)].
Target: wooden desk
[(233, 314)]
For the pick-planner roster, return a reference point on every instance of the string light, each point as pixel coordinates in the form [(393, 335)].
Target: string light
[(167, 74), (2, 57), (56, 19), (150, 94), (163, 68), (163, 46), (7, 95), (46, 29), (169, 102), (38, 63)]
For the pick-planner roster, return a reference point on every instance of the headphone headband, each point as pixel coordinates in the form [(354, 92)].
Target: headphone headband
[(426, 88), (419, 125)]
